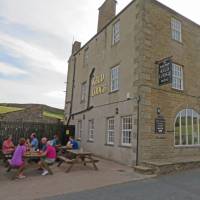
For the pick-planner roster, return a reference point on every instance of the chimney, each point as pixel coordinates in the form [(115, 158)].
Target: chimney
[(106, 12), (76, 46)]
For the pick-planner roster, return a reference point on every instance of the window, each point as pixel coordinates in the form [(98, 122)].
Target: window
[(83, 91), (110, 131), (86, 57), (186, 128), (176, 30), (177, 77), (116, 32), (114, 78), (127, 130), (91, 130), (79, 129)]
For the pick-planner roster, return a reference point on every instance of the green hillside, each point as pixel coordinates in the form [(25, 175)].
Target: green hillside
[(53, 115), (5, 109)]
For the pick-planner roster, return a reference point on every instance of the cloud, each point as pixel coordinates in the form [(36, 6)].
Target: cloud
[(9, 70), (37, 56), (55, 94)]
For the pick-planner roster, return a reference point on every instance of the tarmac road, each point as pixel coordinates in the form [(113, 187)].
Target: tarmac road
[(180, 186)]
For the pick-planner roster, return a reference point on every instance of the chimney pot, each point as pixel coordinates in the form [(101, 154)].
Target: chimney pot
[(76, 46), (106, 13)]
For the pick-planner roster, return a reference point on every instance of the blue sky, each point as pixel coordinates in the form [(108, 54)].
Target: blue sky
[(35, 43)]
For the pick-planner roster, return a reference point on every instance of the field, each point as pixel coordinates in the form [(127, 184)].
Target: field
[(4, 109)]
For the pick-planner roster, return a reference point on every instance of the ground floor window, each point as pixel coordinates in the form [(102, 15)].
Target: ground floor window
[(79, 129), (110, 130), (186, 130), (91, 130), (127, 130)]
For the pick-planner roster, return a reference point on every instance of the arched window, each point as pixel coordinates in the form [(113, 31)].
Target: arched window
[(186, 130)]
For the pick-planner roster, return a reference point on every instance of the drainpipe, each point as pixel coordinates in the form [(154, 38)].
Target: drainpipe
[(89, 86), (138, 130)]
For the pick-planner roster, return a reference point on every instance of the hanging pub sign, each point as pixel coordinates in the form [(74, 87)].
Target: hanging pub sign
[(160, 125), (165, 71)]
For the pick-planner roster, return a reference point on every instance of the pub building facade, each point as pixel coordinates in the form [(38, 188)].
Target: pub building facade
[(133, 90)]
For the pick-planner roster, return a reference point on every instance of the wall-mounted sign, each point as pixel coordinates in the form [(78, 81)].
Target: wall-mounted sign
[(98, 85), (98, 79), (160, 125), (165, 72)]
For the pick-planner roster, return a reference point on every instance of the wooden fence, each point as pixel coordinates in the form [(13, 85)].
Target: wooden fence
[(24, 129)]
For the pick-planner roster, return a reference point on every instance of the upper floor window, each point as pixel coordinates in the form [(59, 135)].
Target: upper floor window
[(127, 130), (91, 130), (114, 78), (116, 32), (186, 128), (83, 91), (86, 57), (177, 77), (176, 30), (110, 130)]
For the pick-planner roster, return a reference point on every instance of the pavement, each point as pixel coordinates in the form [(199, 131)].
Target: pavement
[(80, 178), (180, 186)]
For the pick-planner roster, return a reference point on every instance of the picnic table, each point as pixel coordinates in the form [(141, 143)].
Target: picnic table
[(78, 156), (31, 156)]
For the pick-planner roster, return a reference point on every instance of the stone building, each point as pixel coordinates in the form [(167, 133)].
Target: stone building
[(114, 97)]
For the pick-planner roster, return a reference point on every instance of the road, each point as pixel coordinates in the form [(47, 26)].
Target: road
[(181, 186)]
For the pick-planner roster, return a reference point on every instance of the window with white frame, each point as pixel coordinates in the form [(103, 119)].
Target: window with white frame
[(114, 78), (177, 77), (91, 130), (110, 130), (127, 130), (176, 30), (186, 128), (83, 91), (116, 32), (79, 129)]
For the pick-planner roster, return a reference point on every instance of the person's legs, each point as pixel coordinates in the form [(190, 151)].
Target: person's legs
[(21, 169)]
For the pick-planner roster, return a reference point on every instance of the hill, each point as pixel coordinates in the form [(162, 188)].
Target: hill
[(48, 111)]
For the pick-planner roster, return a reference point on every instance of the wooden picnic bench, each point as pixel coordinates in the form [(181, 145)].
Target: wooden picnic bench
[(79, 157), (28, 156)]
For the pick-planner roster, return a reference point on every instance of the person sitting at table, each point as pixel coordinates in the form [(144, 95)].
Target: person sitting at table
[(72, 143), (43, 144), (34, 142), (8, 146), (50, 157), (17, 159), (56, 142)]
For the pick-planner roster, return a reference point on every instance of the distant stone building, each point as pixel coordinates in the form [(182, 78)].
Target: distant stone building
[(133, 88), (34, 113)]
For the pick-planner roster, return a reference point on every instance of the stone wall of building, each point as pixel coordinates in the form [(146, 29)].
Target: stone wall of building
[(158, 45)]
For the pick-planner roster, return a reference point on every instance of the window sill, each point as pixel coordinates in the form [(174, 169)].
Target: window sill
[(177, 90), (186, 146), (109, 145), (125, 146), (115, 44), (114, 91), (90, 141), (181, 43)]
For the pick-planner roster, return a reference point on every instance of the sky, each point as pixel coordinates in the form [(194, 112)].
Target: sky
[(35, 44)]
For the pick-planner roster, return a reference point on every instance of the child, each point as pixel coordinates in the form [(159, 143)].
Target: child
[(17, 159)]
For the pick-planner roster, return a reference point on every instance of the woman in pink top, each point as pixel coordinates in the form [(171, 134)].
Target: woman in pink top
[(17, 159), (50, 157)]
